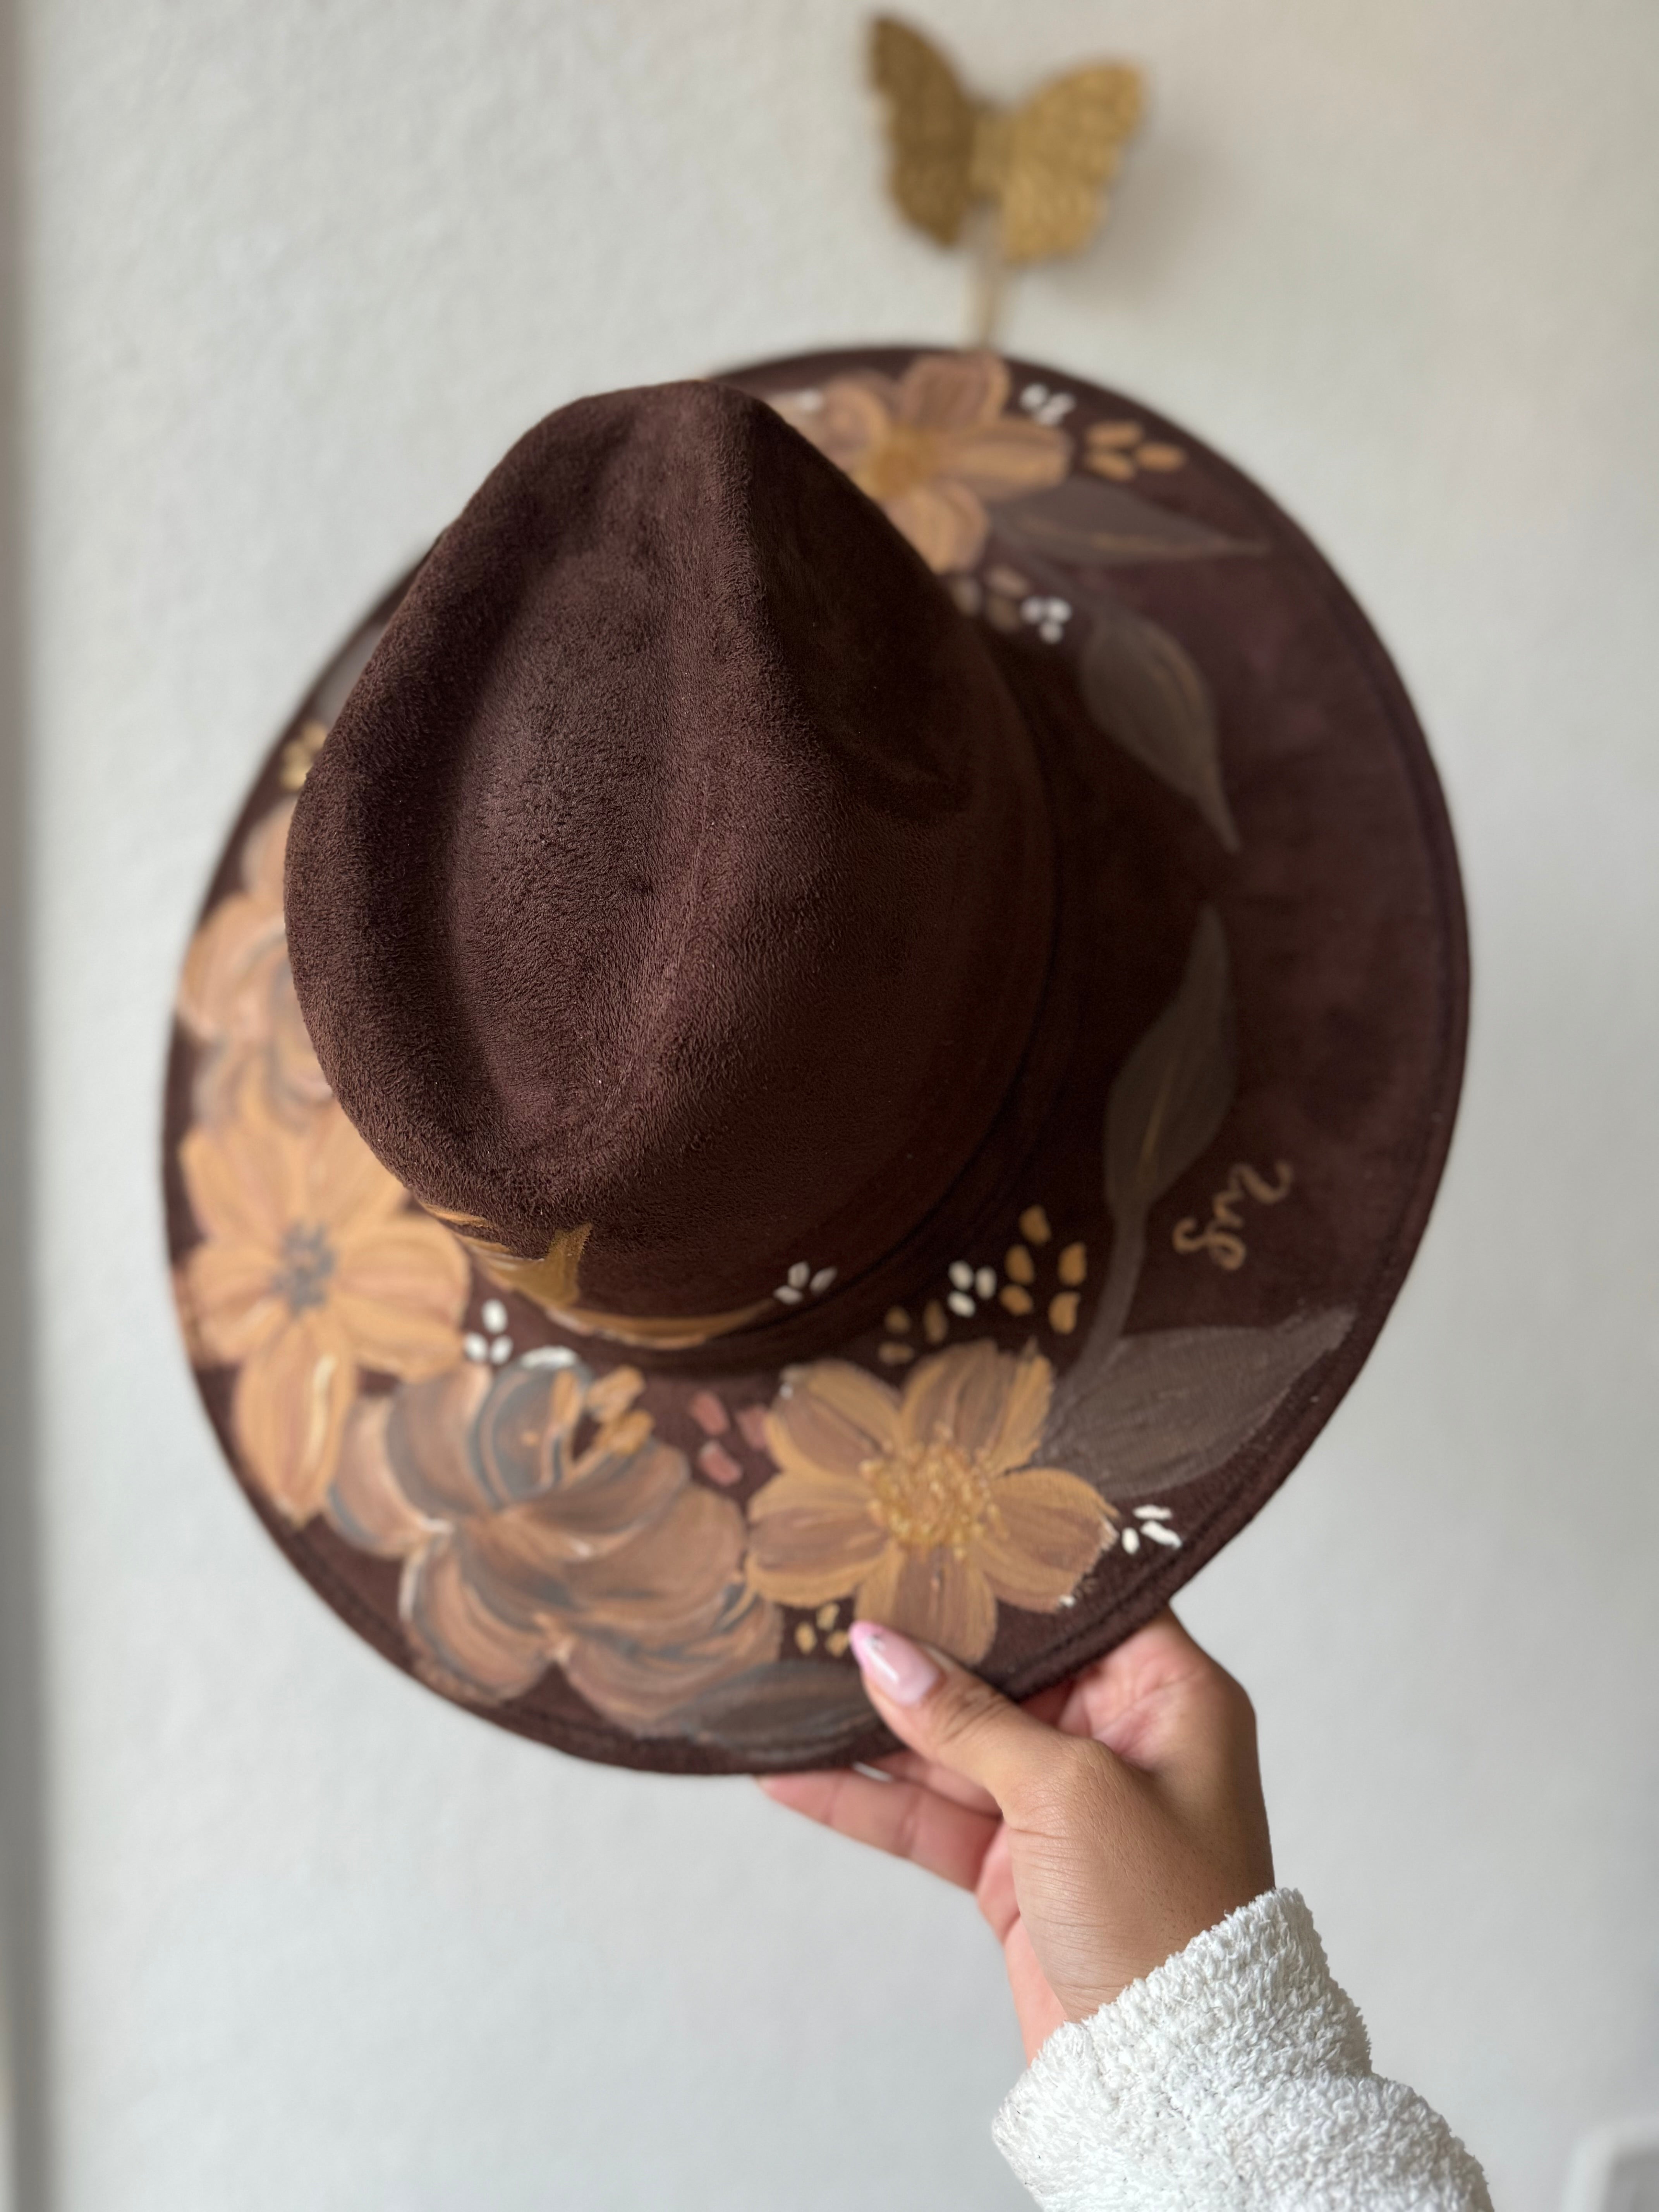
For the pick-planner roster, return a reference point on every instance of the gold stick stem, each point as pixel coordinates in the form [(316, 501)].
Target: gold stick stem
[(989, 275)]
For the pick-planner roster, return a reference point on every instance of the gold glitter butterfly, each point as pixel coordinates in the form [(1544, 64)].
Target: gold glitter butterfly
[(1035, 175)]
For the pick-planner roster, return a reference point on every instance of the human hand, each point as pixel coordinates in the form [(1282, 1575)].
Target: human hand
[(1100, 1828)]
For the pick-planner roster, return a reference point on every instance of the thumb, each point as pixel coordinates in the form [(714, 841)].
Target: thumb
[(948, 1715)]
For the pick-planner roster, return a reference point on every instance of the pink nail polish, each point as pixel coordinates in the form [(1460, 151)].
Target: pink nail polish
[(892, 1662)]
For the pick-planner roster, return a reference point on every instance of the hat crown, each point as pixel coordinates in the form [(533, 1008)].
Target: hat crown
[(674, 890)]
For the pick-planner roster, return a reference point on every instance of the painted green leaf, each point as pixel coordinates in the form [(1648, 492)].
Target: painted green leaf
[(1176, 1404), (1173, 1092), (1143, 689), (1093, 525), (793, 1707)]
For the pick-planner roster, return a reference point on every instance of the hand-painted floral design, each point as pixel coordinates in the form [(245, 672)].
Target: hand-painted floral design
[(1151, 1522), (312, 1268), (1120, 451), (540, 1520), (924, 1505), (934, 447), (969, 1286), (236, 995)]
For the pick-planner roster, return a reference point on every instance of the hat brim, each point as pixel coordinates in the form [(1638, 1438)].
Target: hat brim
[(1117, 1340)]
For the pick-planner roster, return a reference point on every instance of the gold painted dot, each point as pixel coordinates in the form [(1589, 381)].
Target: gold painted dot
[(1003, 614), (1008, 581), (1116, 466), (895, 1355), (898, 1321), (1016, 1301), (835, 1644), (1112, 433), (934, 1326), (826, 1614), (1161, 457), (1034, 1226), (806, 1638), (1020, 1266), (1063, 1312), (1073, 1265)]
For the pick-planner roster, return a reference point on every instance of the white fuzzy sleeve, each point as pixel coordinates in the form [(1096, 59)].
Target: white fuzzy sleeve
[(1236, 2078)]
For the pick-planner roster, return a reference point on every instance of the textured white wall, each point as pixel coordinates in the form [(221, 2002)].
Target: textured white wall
[(296, 273)]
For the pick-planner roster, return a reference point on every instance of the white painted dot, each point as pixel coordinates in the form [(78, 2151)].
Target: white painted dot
[(549, 1355), (960, 1304), (822, 1281), (1060, 609), (985, 1282), (501, 1351), (1153, 1513), (1130, 1540), (1034, 395), (962, 1274), (801, 1274), (475, 1346), (494, 1316), (1050, 633), (1160, 1534), (788, 1293)]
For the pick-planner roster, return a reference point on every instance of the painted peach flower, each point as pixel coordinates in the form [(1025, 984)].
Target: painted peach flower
[(541, 1520), (236, 994), (924, 1507), (313, 1268), (934, 448)]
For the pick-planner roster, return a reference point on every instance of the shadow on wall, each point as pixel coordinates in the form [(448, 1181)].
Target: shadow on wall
[(24, 2184)]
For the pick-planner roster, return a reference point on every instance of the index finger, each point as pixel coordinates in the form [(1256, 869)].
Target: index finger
[(901, 1818), (911, 1766)]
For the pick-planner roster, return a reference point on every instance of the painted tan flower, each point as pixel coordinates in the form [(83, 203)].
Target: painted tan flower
[(923, 1506), (312, 1268), (236, 994), (934, 448), (540, 1519)]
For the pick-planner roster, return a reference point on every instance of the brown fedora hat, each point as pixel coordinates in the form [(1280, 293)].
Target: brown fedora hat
[(867, 1011)]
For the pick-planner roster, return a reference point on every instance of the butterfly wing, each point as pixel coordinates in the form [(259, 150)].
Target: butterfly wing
[(930, 128), (1063, 147)]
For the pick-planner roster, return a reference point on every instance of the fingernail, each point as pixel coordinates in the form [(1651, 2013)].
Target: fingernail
[(892, 1662)]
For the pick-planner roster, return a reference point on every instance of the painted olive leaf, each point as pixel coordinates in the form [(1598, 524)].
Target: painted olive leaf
[(1093, 525), (1142, 687), (1176, 1404), (1173, 1092), (793, 1705)]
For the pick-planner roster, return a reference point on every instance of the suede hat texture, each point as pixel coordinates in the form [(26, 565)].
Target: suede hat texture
[(718, 909), (848, 1005)]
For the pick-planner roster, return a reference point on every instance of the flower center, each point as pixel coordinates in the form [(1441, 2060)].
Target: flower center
[(903, 459), (933, 1497), (307, 1263)]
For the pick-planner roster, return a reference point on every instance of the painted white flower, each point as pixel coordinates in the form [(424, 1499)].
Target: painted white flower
[(495, 1348), (1153, 1524)]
